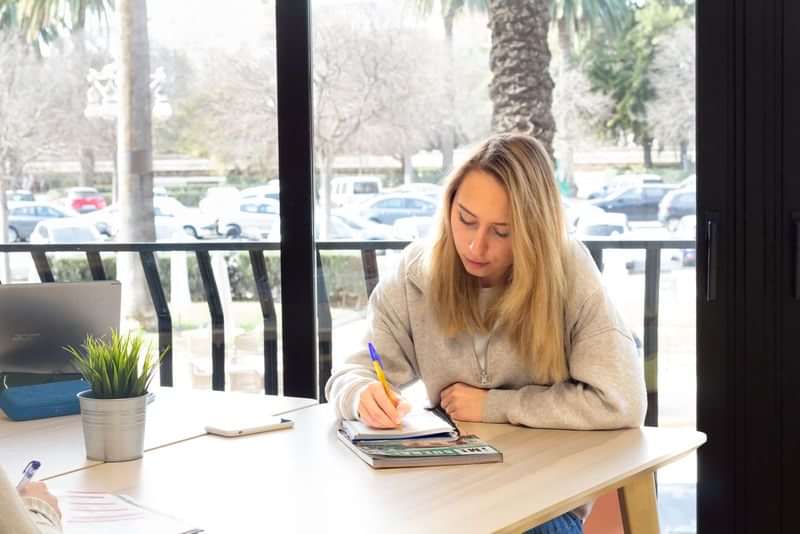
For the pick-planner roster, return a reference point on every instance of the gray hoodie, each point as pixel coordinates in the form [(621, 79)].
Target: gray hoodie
[(606, 387)]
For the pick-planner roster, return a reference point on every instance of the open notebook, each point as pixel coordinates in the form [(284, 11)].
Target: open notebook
[(417, 424), (426, 438)]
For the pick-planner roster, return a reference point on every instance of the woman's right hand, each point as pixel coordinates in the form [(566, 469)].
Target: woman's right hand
[(40, 491), (376, 409)]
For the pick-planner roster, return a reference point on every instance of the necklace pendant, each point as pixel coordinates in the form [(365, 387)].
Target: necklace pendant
[(484, 378)]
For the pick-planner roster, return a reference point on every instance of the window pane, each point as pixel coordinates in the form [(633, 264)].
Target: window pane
[(622, 111)]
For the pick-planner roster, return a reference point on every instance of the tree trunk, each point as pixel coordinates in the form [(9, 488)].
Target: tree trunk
[(5, 265), (409, 175), (134, 156), (448, 138), (326, 169), (685, 156), (521, 89), (647, 149), (566, 135), (87, 166)]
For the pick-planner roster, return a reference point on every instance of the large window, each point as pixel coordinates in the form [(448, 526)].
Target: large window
[(403, 90), (209, 96)]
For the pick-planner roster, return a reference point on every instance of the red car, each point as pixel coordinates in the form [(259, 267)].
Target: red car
[(84, 199)]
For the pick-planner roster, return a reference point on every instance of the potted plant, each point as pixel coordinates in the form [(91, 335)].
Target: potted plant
[(113, 410)]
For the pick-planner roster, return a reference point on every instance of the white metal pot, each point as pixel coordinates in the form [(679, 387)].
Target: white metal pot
[(113, 429)]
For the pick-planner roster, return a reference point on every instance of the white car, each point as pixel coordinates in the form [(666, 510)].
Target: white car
[(270, 190), (67, 230), (106, 221), (601, 224), (218, 200), (193, 221), (411, 228), (575, 209), (254, 219)]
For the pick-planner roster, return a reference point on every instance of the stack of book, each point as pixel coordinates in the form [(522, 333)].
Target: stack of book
[(425, 438)]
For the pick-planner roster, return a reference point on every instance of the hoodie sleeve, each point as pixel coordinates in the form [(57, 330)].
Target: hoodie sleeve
[(388, 328)]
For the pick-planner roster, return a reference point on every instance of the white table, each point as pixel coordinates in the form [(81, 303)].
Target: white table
[(304, 480), (175, 415)]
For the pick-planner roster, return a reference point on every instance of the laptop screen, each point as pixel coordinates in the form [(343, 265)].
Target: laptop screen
[(38, 320)]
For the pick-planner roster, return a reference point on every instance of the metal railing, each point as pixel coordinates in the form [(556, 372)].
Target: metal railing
[(368, 250)]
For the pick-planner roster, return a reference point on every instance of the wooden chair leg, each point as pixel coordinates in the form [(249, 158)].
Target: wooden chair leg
[(637, 503)]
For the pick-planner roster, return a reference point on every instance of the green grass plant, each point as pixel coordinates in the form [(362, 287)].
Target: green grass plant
[(112, 367)]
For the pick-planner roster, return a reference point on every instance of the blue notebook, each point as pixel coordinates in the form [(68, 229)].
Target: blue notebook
[(21, 403)]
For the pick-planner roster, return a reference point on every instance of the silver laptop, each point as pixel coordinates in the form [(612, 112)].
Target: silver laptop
[(38, 320)]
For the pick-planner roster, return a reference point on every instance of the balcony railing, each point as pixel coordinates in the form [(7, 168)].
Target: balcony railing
[(368, 250)]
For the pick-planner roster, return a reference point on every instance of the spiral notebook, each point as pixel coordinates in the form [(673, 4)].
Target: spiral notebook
[(419, 423)]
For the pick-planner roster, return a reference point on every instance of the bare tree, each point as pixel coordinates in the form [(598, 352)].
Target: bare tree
[(421, 111), (33, 117), (672, 111), (232, 108), (351, 72), (578, 113)]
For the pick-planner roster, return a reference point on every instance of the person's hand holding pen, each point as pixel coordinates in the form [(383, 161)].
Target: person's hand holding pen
[(379, 406), (28, 488)]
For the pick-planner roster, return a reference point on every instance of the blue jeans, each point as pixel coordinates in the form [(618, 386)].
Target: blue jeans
[(568, 523)]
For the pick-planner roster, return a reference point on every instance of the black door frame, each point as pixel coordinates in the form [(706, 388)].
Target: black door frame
[(747, 342)]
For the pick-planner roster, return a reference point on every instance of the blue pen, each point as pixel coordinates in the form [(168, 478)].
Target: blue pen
[(28, 473)]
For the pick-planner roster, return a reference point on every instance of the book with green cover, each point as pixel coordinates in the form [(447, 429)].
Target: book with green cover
[(468, 449)]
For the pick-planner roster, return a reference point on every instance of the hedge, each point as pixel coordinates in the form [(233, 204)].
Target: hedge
[(344, 276)]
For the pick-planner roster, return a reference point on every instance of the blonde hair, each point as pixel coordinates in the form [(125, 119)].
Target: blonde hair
[(531, 309)]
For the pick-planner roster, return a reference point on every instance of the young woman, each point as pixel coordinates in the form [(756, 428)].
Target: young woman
[(32, 510), (501, 315)]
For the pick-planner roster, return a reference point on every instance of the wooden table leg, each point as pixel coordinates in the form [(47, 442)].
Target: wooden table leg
[(637, 502)]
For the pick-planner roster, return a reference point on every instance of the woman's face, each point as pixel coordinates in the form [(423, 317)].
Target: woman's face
[(480, 218)]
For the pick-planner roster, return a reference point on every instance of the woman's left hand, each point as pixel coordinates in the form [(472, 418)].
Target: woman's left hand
[(463, 402)]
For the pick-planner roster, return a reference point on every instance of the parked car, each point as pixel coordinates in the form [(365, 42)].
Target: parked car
[(350, 190), (366, 230), (421, 188), (411, 228), (677, 204), (602, 224), (689, 181), (23, 217), (106, 221), (85, 199), (66, 230), (194, 222), (575, 209), (270, 190), (17, 195), (343, 228), (638, 202), (219, 200), (254, 219), (386, 209)]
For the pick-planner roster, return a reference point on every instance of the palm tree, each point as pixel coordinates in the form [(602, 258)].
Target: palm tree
[(521, 88), (134, 153)]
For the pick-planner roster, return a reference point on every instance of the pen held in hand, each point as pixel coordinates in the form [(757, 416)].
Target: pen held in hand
[(28, 472), (377, 364)]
